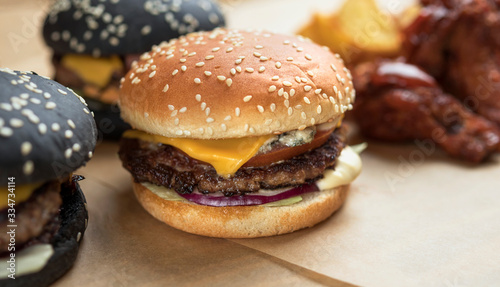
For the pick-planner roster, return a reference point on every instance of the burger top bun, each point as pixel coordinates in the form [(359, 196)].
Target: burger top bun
[(235, 83), (108, 27), (46, 130)]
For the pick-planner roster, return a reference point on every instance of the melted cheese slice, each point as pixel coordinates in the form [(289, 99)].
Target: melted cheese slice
[(97, 71), (22, 192), (225, 155)]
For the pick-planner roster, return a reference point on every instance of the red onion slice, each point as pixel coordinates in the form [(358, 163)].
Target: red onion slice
[(249, 199)]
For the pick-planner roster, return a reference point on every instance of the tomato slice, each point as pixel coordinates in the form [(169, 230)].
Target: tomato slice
[(284, 153)]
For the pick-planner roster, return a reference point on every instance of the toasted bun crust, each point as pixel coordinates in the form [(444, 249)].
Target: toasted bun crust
[(242, 221), (232, 83)]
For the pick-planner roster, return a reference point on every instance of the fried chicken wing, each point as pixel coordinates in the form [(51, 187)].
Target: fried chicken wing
[(398, 102), (458, 42)]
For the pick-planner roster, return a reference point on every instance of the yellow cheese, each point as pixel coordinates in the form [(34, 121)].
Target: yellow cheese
[(97, 71), (225, 155), (22, 193)]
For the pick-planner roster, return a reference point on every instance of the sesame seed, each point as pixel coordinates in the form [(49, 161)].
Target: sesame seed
[(229, 49), (146, 30), (227, 118), (332, 100), (278, 65), (173, 113), (338, 77), (303, 115), (90, 154), (165, 89), (68, 134), (55, 127), (259, 47), (247, 98), (307, 88), (333, 67), (198, 97), (210, 120), (237, 112), (208, 73), (229, 82), (182, 60), (260, 108), (183, 68), (287, 84), (152, 74), (183, 110), (289, 59), (292, 92), (285, 95), (337, 109), (308, 57), (16, 123), (262, 69), (26, 148), (68, 152), (290, 111), (272, 88), (5, 107), (280, 92), (203, 106), (136, 80), (209, 57), (286, 103), (233, 71), (317, 91), (300, 49), (169, 57), (238, 69), (200, 64), (35, 101), (340, 95), (275, 78), (62, 92), (268, 122), (223, 127), (28, 167), (252, 130), (273, 107), (249, 70), (304, 80), (297, 79), (6, 131), (318, 109), (215, 49), (263, 58), (178, 132), (76, 147), (306, 99), (176, 121), (191, 54), (221, 78), (257, 54), (170, 107), (286, 42), (197, 80)]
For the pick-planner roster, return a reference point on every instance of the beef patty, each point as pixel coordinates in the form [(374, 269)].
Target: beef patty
[(167, 166), (33, 216)]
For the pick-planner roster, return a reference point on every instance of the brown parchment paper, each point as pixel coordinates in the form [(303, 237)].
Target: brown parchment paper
[(413, 217)]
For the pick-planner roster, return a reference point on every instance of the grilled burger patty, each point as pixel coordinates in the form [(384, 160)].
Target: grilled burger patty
[(33, 216), (167, 166)]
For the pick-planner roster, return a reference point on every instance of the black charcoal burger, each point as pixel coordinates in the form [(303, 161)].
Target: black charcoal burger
[(238, 133), (95, 43), (46, 132)]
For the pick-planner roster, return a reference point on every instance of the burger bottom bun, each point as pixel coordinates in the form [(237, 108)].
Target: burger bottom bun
[(66, 241), (243, 221)]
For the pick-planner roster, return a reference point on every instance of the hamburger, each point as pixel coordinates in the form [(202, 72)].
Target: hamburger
[(95, 42), (46, 132), (238, 133)]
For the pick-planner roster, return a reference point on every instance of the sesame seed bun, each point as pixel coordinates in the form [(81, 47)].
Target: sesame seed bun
[(242, 221), (46, 130), (235, 83), (103, 28)]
